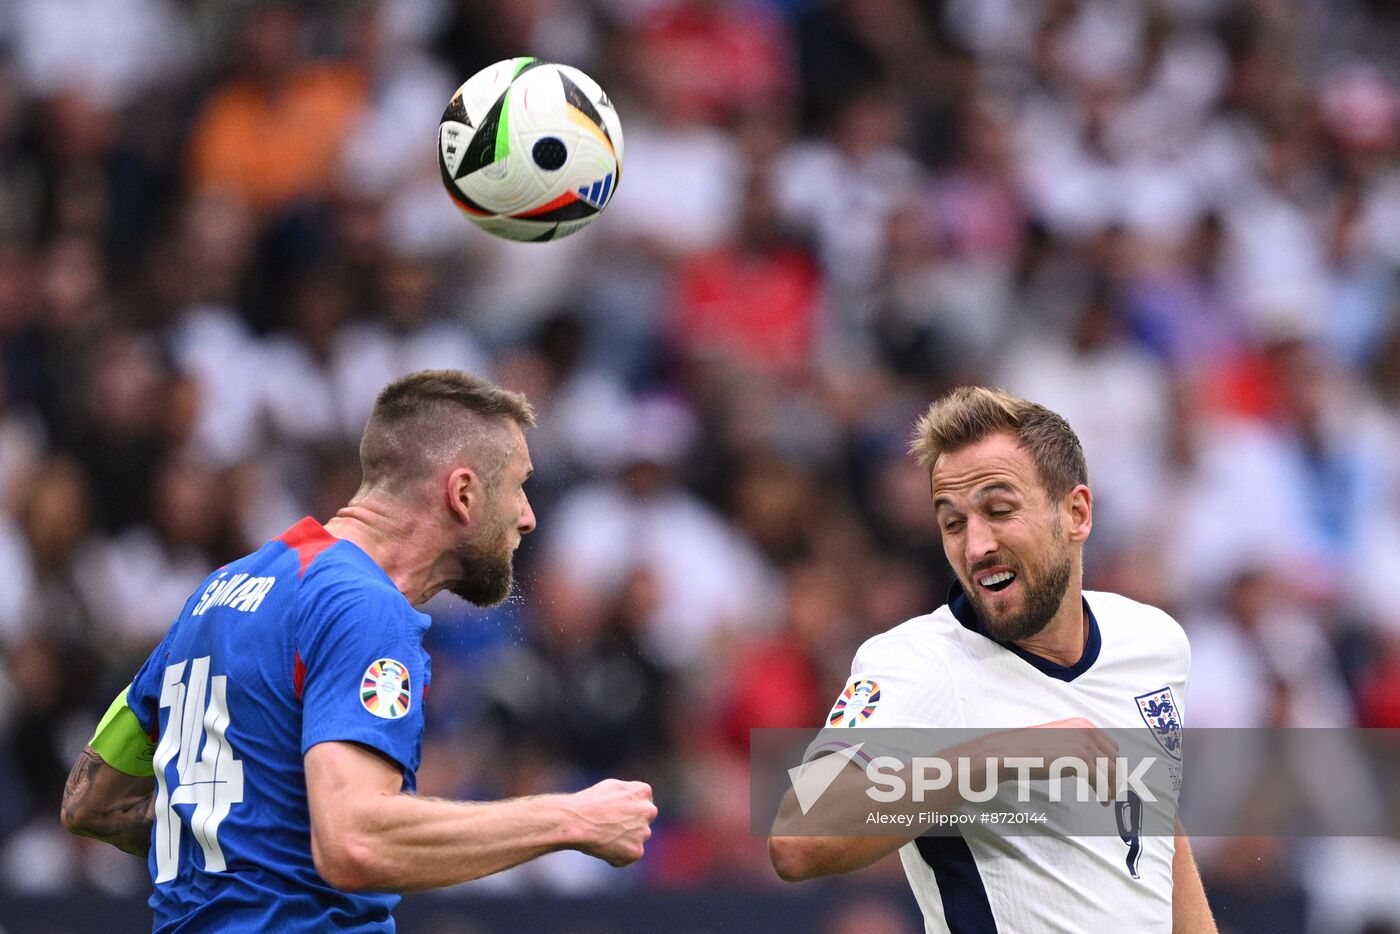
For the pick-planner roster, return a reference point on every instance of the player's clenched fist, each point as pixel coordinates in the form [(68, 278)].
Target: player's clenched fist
[(1077, 739), (614, 820)]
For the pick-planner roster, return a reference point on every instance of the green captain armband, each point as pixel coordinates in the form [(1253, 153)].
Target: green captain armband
[(121, 742)]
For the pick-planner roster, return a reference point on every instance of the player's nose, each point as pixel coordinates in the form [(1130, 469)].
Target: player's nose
[(526, 525), (980, 539)]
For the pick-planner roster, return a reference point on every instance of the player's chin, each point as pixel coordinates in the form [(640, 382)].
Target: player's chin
[(1001, 614), (999, 607)]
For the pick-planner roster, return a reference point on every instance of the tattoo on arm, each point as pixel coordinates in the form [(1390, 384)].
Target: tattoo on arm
[(108, 805)]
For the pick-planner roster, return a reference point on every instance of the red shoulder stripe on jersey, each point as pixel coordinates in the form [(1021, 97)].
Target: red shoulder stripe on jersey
[(308, 538), (298, 674)]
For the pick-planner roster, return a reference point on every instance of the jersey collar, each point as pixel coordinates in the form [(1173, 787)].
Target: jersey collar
[(961, 606)]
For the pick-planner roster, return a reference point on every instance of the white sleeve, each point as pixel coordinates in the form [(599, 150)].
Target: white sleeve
[(892, 684), (895, 683), (1179, 668)]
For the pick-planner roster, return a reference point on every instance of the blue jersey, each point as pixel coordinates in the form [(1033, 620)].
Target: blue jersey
[(306, 640)]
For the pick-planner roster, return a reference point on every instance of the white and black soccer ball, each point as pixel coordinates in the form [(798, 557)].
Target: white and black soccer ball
[(530, 150)]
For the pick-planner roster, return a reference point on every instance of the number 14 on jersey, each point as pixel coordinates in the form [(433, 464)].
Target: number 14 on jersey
[(212, 782)]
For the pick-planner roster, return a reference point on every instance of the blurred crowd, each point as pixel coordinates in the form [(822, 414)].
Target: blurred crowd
[(1176, 222)]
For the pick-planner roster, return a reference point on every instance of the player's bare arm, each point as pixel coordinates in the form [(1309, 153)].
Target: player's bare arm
[(108, 805), (798, 858), (110, 795), (1190, 909), (368, 836)]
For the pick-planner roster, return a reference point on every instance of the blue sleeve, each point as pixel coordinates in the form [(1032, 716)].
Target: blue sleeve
[(144, 695), (365, 673)]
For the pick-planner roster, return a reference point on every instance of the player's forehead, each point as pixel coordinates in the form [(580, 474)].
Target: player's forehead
[(519, 449), (996, 463), (496, 447)]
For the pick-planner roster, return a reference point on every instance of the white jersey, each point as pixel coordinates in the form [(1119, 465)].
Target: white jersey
[(941, 671)]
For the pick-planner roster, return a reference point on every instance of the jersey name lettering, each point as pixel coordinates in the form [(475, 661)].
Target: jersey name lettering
[(240, 592)]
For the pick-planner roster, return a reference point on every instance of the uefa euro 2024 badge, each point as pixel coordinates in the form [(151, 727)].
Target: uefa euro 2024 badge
[(384, 691), (855, 705)]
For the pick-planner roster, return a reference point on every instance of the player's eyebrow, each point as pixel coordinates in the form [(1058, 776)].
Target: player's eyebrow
[(996, 486)]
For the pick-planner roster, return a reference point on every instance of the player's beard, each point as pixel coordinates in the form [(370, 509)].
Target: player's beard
[(1044, 592), (488, 571)]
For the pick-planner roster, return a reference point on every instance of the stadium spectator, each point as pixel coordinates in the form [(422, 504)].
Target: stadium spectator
[(272, 133), (709, 579), (755, 301)]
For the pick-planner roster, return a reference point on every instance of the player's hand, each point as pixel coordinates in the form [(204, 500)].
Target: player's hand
[(1075, 738), (615, 818)]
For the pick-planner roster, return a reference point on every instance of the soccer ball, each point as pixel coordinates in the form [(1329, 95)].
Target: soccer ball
[(530, 150)]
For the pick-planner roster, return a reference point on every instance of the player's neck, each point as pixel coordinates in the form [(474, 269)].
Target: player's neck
[(1062, 641), (392, 539)]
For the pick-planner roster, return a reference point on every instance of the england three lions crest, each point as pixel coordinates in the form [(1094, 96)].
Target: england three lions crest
[(1158, 709)]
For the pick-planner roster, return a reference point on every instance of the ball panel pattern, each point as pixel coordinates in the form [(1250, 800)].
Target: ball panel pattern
[(549, 153), (530, 150), (490, 143)]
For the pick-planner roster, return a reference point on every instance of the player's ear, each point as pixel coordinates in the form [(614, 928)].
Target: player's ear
[(464, 494), (1079, 503)]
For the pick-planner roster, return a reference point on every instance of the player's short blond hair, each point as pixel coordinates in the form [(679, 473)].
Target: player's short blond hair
[(970, 414), (426, 420)]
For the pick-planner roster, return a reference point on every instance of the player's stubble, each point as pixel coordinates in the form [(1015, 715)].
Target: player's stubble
[(1044, 591), (487, 567)]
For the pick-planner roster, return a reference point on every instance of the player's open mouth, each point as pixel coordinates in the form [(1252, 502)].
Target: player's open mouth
[(997, 582)]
